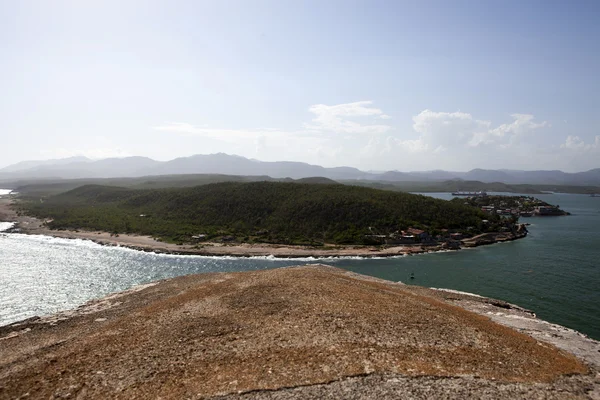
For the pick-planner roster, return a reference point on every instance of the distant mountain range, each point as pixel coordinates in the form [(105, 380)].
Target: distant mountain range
[(25, 165), (81, 167)]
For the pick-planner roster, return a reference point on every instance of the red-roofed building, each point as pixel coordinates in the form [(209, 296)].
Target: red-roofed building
[(418, 233)]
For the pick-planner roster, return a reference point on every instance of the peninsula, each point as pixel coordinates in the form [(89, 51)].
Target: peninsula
[(263, 218), (517, 206)]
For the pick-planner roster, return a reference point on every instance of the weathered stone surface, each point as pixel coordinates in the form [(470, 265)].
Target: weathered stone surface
[(302, 332)]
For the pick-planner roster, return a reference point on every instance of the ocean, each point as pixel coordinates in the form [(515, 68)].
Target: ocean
[(554, 272)]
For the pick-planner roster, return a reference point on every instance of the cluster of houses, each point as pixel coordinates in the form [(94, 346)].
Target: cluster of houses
[(538, 210), (506, 211), (524, 206), (418, 236)]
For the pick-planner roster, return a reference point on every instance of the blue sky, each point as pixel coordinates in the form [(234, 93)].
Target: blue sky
[(373, 84)]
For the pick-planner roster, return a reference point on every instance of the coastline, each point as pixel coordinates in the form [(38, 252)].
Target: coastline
[(34, 226)]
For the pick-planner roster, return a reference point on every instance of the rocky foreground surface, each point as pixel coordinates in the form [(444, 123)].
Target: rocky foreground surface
[(302, 332)]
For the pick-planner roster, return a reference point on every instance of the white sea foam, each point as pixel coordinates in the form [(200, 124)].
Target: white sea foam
[(4, 226), (456, 292), (57, 240), (91, 244), (4, 192)]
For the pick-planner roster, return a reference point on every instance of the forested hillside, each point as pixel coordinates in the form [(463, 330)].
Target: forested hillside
[(260, 211)]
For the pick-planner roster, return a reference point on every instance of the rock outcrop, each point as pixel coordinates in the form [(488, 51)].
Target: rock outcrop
[(300, 332)]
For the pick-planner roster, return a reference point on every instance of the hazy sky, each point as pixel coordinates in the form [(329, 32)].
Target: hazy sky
[(378, 85)]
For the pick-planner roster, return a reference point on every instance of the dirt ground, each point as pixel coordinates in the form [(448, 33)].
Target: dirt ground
[(299, 332)]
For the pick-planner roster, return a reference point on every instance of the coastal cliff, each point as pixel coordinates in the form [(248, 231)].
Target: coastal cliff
[(299, 332)]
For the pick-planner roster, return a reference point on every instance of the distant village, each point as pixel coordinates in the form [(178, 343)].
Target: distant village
[(413, 236), (508, 208), (520, 206)]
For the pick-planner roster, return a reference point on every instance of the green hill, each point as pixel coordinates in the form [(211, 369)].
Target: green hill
[(259, 211), (41, 188), (316, 179)]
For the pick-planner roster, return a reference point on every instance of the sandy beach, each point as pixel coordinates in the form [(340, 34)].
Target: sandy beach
[(34, 226)]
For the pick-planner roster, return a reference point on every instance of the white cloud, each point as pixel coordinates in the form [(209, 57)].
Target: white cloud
[(453, 140), (522, 124), (336, 118), (412, 145), (353, 134), (443, 130), (576, 143), (323, 140), (329, 119), (446, 129)]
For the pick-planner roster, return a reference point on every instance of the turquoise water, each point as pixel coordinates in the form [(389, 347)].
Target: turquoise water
[(555, 271)]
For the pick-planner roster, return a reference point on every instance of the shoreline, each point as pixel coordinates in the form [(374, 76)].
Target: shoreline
[(33, 226)]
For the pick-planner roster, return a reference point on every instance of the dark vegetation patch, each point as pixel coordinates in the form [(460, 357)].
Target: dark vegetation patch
[(268, 212)]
